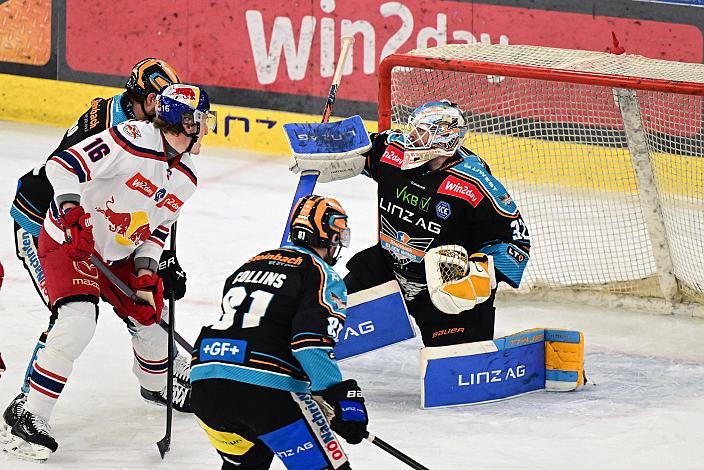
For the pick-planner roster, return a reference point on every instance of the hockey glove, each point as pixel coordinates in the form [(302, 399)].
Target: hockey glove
[(457, 282), (350, 419), (78, 232), (150, 288), (173, 275)]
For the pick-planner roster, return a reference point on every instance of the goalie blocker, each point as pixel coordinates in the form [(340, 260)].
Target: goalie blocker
[(528, 361)]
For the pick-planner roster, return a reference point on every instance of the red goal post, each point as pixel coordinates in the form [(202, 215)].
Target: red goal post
[(603, 153)]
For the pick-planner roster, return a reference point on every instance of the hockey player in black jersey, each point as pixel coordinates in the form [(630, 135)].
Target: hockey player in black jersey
[(34, 194), (264, 377), (448, 229)]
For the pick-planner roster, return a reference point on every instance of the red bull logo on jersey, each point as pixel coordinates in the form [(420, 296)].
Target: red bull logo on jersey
[(130, 228), (392, 156), (456, 187), (142, 184), (171, 202)]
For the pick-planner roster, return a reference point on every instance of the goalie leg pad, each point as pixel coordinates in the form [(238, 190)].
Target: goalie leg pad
[(564, 360), (376, 318), (482, 372)]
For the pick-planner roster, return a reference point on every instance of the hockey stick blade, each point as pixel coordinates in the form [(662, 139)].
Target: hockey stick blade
[(164, 445), (395, 452)]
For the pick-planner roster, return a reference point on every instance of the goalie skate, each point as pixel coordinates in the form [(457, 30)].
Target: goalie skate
[(31, 439), (10, 417)]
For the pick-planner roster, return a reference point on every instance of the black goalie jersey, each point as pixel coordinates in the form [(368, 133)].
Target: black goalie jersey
[(282, 312), (460, 203)]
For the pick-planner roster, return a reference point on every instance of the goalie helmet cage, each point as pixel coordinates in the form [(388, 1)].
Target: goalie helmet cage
[(603, 153)]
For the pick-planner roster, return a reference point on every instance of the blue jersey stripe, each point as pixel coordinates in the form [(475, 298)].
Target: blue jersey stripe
[(215, 370)]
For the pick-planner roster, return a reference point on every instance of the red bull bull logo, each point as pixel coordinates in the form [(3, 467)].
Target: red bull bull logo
[(130, 228), (186, 92)]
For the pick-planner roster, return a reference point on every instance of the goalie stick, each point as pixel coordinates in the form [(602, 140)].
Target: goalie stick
[(306, 183)]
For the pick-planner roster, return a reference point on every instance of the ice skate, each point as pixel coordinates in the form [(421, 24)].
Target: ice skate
[(31, 439), (10, 417), (182, 388)]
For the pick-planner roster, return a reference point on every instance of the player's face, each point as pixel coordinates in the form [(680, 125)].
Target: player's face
[(149, 107), (419, 137), (203, 132)]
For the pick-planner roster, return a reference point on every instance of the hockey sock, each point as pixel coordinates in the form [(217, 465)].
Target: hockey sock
[(150, 346), (70, 335)]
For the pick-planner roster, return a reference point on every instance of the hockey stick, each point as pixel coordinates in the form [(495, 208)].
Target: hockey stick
[(125, 289), (308, 178), (395, 452), (165, 443)]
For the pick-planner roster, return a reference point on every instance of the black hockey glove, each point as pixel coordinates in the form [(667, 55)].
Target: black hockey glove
[(350, 420), (174, 277)]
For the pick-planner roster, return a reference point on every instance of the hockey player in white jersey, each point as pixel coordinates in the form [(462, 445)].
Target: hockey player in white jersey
[(116, 195)]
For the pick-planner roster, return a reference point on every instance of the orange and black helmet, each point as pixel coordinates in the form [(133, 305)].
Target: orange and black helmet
[(150, 76), (319, 221)]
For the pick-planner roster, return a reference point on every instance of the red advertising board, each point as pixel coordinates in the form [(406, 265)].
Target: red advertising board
[(290, 46)]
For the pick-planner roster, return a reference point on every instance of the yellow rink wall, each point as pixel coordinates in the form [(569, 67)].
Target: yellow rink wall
[(57, 103), (593, 167), (562, 164)]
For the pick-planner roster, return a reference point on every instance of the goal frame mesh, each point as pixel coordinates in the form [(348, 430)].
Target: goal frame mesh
[(649, 77)]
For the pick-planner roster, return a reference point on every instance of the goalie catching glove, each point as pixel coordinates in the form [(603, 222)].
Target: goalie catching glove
[(457, 282)]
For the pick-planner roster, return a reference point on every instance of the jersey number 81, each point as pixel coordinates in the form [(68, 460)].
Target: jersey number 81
[(232, 301)]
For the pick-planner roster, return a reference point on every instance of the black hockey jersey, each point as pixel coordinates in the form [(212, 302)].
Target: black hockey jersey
[(34, 192), (460, 203), (282, 312)]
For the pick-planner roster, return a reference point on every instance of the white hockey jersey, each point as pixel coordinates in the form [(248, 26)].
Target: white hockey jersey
[(126, 184)]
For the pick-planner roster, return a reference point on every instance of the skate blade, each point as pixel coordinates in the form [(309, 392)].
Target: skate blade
[(5, 433), (26, 450)]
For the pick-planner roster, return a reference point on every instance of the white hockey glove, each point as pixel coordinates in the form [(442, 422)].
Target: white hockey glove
[(331, 168), (457, 282)]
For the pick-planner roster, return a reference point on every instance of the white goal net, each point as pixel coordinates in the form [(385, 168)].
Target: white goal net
[(603, 153)]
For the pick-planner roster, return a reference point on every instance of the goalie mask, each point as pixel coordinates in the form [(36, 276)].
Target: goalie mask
[(320, 222), (434, 130)]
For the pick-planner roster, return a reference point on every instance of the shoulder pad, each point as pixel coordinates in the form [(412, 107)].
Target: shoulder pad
[(472, 169)]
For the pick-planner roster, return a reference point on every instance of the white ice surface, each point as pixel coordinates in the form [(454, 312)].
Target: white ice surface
[(647, 410)]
